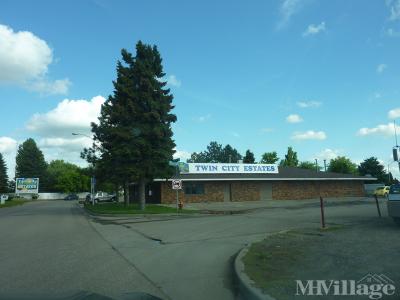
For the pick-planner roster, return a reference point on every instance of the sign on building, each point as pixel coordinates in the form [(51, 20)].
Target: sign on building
[(218, 168), (27, 186), (176, 184)]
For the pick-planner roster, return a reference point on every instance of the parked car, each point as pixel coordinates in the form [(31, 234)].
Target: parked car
[(71, 197), (104, 197), (382, 191), (393, 203)]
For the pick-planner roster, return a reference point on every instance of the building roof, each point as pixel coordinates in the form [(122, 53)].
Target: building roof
[(285, 173)]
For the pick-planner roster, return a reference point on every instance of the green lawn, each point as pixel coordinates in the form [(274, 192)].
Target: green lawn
[(119, 208), (13, 202)]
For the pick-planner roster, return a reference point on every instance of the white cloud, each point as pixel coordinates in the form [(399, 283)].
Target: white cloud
[(202, 119), (383, 129), (235, 134), (182, 155), (8, 148), (69, 116), (309, 135), (309, 104), (314, 29), (392, 33), (267, 130), (327, 154), (394, 7), (57, 87), (7, 144), (394, 113), (73, 143), (294, 118), (380, 68), (24, 61), (172, 80), (287, 10)]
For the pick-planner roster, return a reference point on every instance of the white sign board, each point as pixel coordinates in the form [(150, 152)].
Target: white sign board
[(176, 184), (218, 168)]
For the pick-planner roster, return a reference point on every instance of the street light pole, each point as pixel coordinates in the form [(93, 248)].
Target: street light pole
[(93, 179)]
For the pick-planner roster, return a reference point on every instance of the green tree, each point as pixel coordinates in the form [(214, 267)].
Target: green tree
[(374, 168), (230, 154), (249, 157), (66, 178), (307, 165), (3, 176), (30, 163), (342, 164), (290, 158), (269, 158), (215, 153), (197, 157), (133, 139)]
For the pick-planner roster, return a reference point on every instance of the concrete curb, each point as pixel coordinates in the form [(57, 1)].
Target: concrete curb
[(246, 286)]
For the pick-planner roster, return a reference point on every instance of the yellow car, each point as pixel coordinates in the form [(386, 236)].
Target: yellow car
[(382, 191)]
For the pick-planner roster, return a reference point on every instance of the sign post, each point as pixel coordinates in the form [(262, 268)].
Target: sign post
[(177, 185)]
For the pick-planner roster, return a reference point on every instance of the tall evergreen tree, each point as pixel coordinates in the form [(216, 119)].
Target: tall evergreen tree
[(249, 157), (3, 176), (290, 158), (133, 139), (30, 163)]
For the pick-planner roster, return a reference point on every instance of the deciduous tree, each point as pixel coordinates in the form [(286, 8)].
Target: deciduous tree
[(371, 166), (290, 158), (269, 158), (342, 164)]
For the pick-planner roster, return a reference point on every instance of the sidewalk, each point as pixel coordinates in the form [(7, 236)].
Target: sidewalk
[(247, 206)]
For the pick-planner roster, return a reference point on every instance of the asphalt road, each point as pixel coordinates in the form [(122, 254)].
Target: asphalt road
[(48, 248), (53, 247)]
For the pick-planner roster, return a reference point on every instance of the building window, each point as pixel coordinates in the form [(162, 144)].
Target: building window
[(192, 188)]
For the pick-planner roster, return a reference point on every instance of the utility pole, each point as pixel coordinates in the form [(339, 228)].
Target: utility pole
[(325, 165), (316, 165), (396, 148), (93, 179)]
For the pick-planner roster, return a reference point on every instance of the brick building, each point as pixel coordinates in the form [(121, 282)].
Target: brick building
[(280, 184)]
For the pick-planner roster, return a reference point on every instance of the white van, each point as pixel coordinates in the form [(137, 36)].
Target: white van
[(393, 203)]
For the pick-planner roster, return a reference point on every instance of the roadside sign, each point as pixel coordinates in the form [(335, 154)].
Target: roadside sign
[(176, 184), (27, 186)]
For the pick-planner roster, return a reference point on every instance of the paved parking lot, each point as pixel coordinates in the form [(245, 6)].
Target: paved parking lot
[(54, 247)]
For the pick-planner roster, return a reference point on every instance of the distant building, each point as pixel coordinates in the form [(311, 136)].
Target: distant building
[(251, 182)]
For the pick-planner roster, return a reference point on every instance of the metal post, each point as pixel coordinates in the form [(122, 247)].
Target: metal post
[(325, 165), (377, 205), (321, 202), (177, 200), (316, 165), (92, 183)]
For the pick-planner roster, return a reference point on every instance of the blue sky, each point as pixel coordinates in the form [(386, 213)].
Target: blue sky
[(321, 76)]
